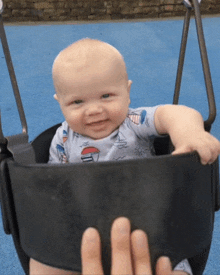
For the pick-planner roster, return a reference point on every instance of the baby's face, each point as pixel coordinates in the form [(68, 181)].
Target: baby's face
[(95, 100)]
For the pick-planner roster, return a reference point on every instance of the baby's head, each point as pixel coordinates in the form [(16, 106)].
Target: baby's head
[(92, 87)]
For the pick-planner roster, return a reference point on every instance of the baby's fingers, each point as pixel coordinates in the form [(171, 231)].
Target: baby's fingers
[(206, 157), (182, 150), (209, 151)]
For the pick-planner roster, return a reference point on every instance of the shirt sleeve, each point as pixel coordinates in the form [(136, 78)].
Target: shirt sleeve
[(184, 266), (57, 152), (141, 121)]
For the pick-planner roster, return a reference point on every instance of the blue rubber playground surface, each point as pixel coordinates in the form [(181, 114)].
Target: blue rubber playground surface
[(150, 49)]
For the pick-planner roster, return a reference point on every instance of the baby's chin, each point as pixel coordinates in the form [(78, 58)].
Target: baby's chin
[(98, 136), (101, 135)]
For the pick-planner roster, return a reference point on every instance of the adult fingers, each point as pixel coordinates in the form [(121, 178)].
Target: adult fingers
[(163, 266), (121, 250), (140, 253), (91, 252)]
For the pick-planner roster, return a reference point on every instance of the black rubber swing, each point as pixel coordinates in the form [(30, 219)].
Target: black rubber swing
[(46, 207)]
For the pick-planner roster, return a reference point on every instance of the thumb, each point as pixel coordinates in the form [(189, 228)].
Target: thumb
[(181, 150)]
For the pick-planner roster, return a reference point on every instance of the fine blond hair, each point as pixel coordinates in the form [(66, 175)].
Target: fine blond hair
[(86, 53)]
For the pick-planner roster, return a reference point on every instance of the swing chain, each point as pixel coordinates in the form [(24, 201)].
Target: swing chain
[(2, 138), (188, 4), (204, 59), (1, 7), (12, 73)]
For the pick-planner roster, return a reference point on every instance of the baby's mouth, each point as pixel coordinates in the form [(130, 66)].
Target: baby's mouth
[(98, 123)]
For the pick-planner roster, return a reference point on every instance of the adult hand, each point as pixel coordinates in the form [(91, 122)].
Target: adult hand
[(130, 252)]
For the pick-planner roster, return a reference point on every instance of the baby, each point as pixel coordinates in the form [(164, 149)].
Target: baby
[(93, 91)]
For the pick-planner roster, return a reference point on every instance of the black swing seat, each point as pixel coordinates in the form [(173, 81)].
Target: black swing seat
[(46, 207)]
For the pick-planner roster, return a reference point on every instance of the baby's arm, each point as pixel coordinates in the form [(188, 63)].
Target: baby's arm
[(185, 127)]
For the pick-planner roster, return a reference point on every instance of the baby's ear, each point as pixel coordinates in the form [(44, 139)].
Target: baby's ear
[(129, 85), (55, 97)]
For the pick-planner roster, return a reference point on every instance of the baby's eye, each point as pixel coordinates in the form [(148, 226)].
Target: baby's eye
[(106, 96), (79, 101)]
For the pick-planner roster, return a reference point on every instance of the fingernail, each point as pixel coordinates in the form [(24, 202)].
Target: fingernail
[(124, 229), (123, 225), (91, 234), (141, 240), (166, 261)]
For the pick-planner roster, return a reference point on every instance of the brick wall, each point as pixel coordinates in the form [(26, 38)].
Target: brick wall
[(61, 10)]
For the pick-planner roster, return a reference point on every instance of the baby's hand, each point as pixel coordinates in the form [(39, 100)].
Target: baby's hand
[(207, 146)]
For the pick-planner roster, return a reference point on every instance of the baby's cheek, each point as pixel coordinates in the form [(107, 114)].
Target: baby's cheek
[(116, 112), (119, 117), (117, 109), (73, 122)]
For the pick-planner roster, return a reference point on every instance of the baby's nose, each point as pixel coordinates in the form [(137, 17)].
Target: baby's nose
[(94, 109)]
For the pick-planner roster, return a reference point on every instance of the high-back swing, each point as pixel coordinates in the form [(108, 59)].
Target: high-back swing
[(46, 207)]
